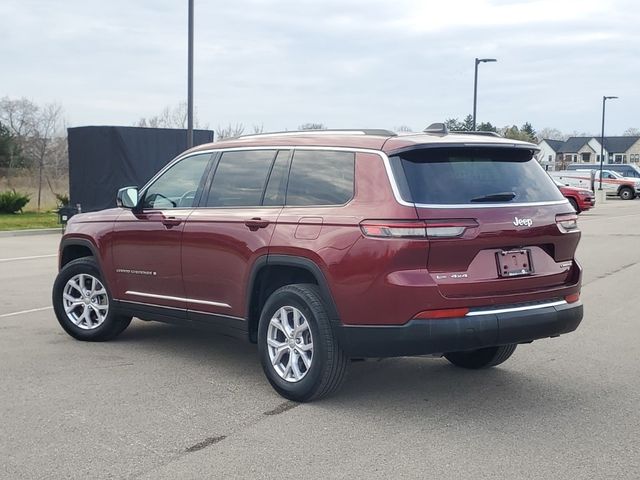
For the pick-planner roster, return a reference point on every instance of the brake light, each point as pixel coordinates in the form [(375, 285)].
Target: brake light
[(573, 298), (416, 229), (444, 313), (394, 229), (567, 222)]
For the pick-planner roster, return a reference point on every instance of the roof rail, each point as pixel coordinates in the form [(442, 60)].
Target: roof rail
[(364, 131), (483, 134)]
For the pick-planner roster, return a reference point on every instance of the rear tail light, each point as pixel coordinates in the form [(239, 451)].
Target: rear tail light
[(573, 298), (567, 222), (417, 229), (394, 229), (445, 313)]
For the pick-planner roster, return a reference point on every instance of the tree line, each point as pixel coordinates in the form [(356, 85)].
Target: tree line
[(33, 137)]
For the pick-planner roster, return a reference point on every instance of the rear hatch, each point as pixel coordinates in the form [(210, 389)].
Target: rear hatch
[(497, 224)]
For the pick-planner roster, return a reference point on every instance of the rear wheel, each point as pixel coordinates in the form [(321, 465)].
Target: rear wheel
[(627, 193), (481, 358), (574, 204), (83, 305), (299, 352)]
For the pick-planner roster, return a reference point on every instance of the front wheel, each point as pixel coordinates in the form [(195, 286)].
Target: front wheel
[(299, 352), (627, 193), (481, 358), (83, 305), (574, 204)]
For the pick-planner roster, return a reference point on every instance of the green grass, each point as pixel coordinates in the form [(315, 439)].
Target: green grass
[(27, 220)]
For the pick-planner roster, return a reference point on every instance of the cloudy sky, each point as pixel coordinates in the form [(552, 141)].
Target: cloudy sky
[(345, 63)]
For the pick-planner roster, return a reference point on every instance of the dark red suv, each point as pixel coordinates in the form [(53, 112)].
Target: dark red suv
[(330, 245)]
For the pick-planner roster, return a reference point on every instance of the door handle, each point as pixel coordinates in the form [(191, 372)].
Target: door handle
[(256, 223), (171, 222)]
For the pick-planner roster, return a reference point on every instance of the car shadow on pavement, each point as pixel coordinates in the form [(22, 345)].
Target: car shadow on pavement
[(413, 384), (433, 387)]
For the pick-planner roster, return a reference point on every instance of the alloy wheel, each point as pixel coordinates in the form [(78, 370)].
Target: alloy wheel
[(85, 301), (290, 344)]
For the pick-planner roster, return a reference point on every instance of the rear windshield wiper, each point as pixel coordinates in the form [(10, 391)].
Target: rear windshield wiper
[(495, 197)]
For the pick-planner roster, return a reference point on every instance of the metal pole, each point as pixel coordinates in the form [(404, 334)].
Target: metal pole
[(604, 99), (475, 93), (190, 80)]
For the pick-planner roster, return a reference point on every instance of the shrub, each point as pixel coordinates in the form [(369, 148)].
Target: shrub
[(12, 201), (62, 199)]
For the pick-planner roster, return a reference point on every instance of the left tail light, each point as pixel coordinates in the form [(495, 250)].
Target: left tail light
[(432, 229)]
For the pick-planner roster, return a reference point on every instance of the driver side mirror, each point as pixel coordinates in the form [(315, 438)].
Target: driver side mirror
[(127, 197)]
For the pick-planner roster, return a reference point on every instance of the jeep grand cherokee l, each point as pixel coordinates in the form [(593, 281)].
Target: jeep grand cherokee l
[(326, 246)]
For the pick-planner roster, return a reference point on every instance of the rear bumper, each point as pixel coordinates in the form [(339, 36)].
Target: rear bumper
[(422, 337)]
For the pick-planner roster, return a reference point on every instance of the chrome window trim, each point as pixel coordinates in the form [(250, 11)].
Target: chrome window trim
[(177, 299), (387, 166), (515, 309)]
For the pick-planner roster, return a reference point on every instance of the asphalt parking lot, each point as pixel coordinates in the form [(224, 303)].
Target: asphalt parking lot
[(166, 402)]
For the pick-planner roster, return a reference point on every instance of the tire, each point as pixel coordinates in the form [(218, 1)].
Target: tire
[(92, 318), (574, 204), (627, 193), (323, 368), (481, 358)]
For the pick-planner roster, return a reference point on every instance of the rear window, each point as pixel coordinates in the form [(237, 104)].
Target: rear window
[(454, 176)]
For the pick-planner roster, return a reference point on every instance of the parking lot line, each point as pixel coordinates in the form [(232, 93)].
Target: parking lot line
[(12, 314), (14, 259)]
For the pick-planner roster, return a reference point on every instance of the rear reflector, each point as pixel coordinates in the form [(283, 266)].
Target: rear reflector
[(567, 222), (446, 313), (573, 298), (416, 229)]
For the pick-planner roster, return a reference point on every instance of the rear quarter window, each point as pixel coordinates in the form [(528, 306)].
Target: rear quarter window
[(320, 177), (455, 176)]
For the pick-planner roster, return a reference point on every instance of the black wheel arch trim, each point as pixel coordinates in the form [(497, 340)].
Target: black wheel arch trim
[(81, 242), (298, 262)]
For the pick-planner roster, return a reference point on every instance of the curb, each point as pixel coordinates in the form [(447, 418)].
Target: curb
[(29, 232)]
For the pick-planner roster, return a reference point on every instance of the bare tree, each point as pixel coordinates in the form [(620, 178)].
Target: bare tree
[(47, 127), (230, 131), (257, 129), (39, 136), (551, 134), (402, 129), (170, 117), (632, 132)]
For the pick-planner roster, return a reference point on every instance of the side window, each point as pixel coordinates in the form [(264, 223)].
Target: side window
[(177, 187), (321, 177), (277, 185), (240, 178)]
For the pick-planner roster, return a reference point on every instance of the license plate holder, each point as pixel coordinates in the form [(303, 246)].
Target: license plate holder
[(514, 263)]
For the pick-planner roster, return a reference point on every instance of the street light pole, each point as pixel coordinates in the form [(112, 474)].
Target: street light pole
[(475, 86), (190, 80), (604, 100)]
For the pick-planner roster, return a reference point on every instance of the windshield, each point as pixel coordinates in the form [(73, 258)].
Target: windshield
[(453, 176)]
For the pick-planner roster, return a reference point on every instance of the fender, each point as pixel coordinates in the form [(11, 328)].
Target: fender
[(299, 262), (83, 242)]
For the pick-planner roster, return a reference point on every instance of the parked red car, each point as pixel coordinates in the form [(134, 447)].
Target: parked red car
[(580, 199), (324, 246)]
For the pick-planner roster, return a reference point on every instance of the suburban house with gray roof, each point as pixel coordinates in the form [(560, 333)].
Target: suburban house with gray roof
[(587, 150)]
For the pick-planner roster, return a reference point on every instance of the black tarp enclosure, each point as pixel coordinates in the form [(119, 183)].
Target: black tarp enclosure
[(103, 159)]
